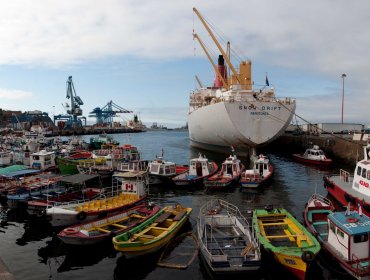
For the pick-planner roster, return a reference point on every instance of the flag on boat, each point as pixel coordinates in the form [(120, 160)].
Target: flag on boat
[(267, 81)]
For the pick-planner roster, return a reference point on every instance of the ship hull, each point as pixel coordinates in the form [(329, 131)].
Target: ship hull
[(238, 124)]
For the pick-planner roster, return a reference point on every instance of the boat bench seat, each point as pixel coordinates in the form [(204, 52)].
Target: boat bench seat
[(179, 216), (163, 217), (146, 236), (118, 225)]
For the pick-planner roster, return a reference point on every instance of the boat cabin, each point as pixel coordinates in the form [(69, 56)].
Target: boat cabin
[(135, 183), (230, 167), (361, 177), (261, 167), (349, 234), (314, 153), (199, 167), (42, 160), (162, 167)]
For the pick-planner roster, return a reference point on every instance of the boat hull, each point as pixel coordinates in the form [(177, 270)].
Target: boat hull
[(239, 124), (301, 159)]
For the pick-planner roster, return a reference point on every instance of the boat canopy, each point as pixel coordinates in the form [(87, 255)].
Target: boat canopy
[(351, 224)]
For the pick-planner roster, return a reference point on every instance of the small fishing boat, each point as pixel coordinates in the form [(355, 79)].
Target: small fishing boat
[(343, 235), (259, 175), (103, 229), (153, 234), (355, 188), (35, 187), (227, 243), (79, 187), (283, 237), (200, 169), (231, 169), (126, 191), (313, 155), (161, 170)]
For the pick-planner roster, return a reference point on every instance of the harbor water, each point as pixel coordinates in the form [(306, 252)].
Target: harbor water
[(32, 251)]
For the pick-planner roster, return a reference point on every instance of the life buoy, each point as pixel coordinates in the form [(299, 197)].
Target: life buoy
[(69, 231), (352, 220), (81, 216), (307, 256)]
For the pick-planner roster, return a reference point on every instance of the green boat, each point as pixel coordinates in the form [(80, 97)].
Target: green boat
[(282, 235), (153, 234)]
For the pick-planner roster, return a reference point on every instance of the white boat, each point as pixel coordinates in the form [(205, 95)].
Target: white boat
[(313, 155), (128, 189), (227, 243), (161, 170), (260, 174), (232, 111)]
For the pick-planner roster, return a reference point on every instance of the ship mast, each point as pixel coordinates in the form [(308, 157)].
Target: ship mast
[(217, 43)]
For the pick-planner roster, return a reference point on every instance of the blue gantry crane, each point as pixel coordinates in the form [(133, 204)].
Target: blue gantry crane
[(74, 111), (104, 115)]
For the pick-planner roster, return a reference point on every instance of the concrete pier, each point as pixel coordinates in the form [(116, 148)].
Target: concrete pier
[(336, 146), (4, 272)]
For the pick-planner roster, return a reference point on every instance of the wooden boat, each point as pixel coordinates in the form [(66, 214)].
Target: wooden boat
[(231, 169), (260, 174), (281, 235), (345, 188), (313, 155), (35, 187), (161, 170), (103, 229), (227, 243), (153, 234), (343, 235), (126, 191), (199, 170), (180, 252), (79, 187)]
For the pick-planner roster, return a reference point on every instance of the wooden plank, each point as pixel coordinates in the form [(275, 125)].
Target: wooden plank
[(179, 216), (163, 217)]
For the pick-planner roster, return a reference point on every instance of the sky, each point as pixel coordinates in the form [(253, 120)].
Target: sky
[(141, 54)]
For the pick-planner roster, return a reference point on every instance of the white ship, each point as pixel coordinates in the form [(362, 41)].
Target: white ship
[(232, 112)]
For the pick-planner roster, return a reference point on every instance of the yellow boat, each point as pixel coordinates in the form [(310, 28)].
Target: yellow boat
[(291, 244), (153, 234)]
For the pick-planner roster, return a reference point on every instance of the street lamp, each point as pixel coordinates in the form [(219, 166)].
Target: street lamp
[(343, 76)]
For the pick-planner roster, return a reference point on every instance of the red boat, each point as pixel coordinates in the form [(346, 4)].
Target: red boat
[(354, 189), (313, 155), (230, 172), (100, 230)]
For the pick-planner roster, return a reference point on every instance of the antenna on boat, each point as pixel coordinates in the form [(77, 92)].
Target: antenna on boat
[(359, 209), (348, 211)]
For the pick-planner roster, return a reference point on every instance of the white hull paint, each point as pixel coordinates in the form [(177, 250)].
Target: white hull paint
[(239, 124)]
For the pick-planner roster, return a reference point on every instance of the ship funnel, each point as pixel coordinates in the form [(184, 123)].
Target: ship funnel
[(222, 70)]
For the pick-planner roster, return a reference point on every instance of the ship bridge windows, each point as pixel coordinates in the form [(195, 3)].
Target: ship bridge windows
[(368, 175)]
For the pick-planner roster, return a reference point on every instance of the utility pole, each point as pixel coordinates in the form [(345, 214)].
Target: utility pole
[(343, 76)]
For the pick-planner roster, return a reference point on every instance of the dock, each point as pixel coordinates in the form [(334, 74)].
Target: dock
[(4, 272), (336, 146)]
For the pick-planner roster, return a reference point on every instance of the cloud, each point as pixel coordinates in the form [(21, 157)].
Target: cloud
[(14, 94)]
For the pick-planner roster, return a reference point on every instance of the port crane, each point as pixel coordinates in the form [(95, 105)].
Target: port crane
[(74, 111), (106, 114)]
